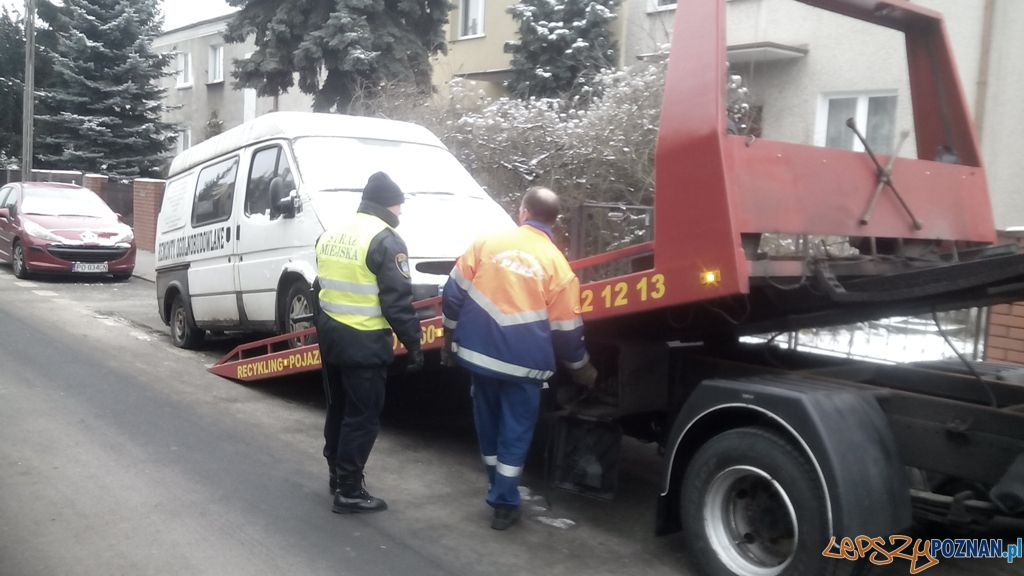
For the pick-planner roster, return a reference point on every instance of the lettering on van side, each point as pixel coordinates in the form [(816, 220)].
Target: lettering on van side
[(193, 244)]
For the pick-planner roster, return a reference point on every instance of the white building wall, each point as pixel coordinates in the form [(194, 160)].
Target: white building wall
[(845, 56), (191, 107), (1001, 139)]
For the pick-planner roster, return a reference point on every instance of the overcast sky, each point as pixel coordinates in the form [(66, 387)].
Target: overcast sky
[(177, 13)]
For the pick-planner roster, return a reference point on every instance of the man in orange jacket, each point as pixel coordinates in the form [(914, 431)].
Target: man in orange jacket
[(513, 304)]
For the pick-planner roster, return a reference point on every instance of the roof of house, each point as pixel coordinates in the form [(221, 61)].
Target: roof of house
[(222, 17), (292, 125)]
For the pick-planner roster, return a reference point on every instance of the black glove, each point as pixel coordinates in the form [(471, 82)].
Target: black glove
[(414, 360), (448, 350)]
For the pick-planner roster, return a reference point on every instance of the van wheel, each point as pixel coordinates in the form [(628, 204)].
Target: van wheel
[(753, 504), (18, 265), (296, 304), (184, 334)]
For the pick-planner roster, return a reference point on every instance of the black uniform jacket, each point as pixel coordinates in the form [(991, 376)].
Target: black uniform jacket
[(387, 258)]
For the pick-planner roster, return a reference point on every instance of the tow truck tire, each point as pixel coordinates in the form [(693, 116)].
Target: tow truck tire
[(297, 301), (184, 333), (18, 265), (752, 504)]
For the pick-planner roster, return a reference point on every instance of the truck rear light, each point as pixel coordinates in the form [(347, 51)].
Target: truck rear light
[(710, 277)]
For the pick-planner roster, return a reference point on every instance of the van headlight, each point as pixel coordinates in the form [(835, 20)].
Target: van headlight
[(37, 231)]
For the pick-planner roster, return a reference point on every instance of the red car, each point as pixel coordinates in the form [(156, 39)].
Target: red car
[(50, 228)]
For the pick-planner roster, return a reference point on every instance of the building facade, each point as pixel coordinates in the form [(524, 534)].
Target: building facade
[(200, 94), (806, 70)]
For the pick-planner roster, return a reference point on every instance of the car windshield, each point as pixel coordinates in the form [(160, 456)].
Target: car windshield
[(64, 202), (346, 163)]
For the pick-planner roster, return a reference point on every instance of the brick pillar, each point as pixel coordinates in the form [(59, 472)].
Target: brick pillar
[(95, 182), (148, 195), (1005, 337), (1006, 333)]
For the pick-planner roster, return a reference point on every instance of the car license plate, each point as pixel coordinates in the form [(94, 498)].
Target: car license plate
[(89, 267)]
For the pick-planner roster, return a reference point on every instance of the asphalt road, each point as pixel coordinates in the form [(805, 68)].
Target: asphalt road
[(120, 454)]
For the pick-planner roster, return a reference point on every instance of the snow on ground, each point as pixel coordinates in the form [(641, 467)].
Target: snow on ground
[(894, 340)]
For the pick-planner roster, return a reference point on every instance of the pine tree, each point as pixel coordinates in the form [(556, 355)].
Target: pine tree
[(338, 48), (102, 111), (12, 73), (563, 45)]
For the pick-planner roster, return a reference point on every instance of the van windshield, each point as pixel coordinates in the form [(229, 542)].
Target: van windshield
[(327, 163)]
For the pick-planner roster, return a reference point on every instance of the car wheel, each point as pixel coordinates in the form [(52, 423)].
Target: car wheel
[(18, 261), (184, 334), (752, 504), (296, 304)]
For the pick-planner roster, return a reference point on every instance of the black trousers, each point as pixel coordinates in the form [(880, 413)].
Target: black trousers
[(355, 398)]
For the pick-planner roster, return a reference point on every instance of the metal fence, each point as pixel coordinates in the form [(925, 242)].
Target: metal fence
[(120, 198), (65, 176), (119, 195)]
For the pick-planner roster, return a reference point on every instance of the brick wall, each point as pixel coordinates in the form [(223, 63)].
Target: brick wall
[(1006, 322), (1006, 333), (95, 183), (148, 195)]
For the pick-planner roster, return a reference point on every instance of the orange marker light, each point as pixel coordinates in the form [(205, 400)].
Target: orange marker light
[(710, 277)]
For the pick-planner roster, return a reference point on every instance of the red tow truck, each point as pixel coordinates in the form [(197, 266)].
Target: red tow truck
[(772, 456)]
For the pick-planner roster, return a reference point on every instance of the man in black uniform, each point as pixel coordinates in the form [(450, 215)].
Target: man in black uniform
[(365, 293)]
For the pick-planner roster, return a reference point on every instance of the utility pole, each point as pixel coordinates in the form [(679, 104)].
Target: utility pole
[(28, 100)]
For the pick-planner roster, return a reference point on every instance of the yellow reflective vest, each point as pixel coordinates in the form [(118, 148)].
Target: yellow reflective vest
[(348, 289)]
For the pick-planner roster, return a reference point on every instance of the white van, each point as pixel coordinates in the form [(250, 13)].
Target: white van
[(242, 211)]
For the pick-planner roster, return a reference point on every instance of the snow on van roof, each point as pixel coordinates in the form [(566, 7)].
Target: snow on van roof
[(291, 125)]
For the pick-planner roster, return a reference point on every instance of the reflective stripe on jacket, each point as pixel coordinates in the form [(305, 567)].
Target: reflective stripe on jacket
[(514, 304), (348, 289)]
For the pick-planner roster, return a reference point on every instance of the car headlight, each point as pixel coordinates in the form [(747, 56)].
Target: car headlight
[(37, 231), (125, 238)]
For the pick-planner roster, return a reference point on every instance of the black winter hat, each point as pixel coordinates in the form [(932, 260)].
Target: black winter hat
[(382, 191)]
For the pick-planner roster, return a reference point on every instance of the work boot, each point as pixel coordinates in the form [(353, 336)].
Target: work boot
[(334, 484), (504, 517), (352, 497)]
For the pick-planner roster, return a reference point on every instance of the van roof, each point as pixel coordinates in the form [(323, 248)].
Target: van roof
[(291, 125)]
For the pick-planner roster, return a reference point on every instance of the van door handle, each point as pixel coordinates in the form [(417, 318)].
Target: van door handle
[(238, 232)]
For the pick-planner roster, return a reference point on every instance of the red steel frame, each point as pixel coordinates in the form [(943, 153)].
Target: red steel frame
[(713, 187)]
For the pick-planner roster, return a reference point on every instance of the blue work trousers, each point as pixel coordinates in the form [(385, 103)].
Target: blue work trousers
[(506, 413)]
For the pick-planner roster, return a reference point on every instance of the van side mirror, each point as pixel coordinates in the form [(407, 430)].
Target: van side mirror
[(286, 204), (289, 205), (5, 214)]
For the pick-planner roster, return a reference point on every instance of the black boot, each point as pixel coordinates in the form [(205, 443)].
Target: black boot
[(504, 517), (352, 496), (334, 484)]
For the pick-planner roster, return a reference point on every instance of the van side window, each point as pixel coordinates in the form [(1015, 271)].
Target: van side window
[(268, 173), (215, 190)]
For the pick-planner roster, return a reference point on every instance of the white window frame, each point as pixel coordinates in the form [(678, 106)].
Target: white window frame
[(463, 10), (185, 72), (863, 98), (184, 140), (215, 72), (653, 6)]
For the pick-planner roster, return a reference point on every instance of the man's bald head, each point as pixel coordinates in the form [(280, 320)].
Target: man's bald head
[(540, 204)]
